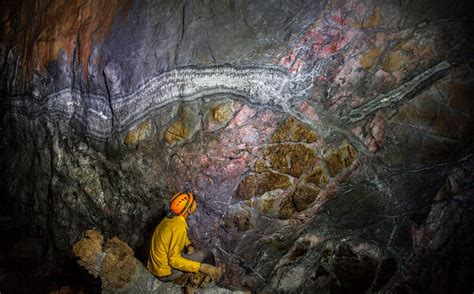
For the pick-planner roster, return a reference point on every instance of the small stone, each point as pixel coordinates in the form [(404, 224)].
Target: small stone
[(292, 130), (269, 181), (294, 159), (267, 206), (372, 20), (221, 113), (369, 59), (395, 61), (287, 209), (337, 160), (177, 132), (269, 203), (237, 219), (318, 177), (304, 196), (246, 188), (139, 133), (242, 220), (260, 165)]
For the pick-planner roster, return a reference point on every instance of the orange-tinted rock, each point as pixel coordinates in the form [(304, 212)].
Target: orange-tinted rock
[(246, 188), (260, 165), (302, 160), (292, 130), (369, 59), (292, 159), (137, 134), (87, 250), (238, 219), (395, 61), (318, 177), (304, 196), (287, 209), (51, 26), (177, 132), (367, 21), (268, 205), (337, 160), (269, 181), (373, 19), (118, 267), (241, 220), (187, 122), (221, 113)]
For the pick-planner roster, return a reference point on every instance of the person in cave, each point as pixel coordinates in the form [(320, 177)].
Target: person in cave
[(168, 259)]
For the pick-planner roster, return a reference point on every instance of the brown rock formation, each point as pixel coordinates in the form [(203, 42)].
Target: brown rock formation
[(177, 132), (139, 133), (291, 130), (115, 264), (269, 181), (118, 266), (221, 113), (339, 159), (304, 196), (88, 250), (246, 188), (49, 27), (291, 159)]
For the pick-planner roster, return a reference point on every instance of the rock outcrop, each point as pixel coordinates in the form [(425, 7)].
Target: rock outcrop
[(118, 269), (329, 143)]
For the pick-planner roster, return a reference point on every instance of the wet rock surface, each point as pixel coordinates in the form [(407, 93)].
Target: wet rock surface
[(329, 143), (120, 272)]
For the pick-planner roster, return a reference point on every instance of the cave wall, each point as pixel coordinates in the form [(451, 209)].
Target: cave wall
[(329, 142)]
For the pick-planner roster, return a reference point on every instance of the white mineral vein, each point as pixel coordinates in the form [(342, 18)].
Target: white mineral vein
[(103, 116), (396, 95), (260, 85)]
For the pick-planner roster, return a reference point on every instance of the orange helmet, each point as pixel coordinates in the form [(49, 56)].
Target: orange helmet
[(180, 202)]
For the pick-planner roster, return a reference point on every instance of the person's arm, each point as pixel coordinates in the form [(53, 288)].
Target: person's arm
[(189, 246), (190, 249), (178, 241), (180, 237)]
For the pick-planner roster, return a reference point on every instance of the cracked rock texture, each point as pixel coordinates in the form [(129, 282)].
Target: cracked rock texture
[(329, 143)]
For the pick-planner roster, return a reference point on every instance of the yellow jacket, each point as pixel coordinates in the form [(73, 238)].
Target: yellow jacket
[(168, 241)]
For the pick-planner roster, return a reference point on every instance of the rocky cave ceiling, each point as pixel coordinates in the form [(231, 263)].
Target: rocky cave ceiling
[(330, 143)]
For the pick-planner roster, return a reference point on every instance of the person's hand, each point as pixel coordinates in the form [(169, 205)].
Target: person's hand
[(190, 249), (210, 270)]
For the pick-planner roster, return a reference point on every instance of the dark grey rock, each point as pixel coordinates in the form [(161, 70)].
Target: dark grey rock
[(86, 143)]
